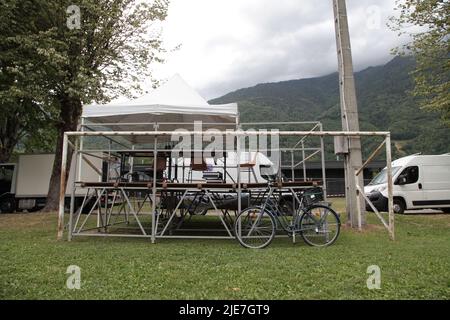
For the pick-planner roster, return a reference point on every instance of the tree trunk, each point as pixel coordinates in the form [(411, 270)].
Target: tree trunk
[(70, 113), (9, 132), (5, 153)]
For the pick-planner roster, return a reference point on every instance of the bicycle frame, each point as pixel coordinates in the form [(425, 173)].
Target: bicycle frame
[(273, 209)]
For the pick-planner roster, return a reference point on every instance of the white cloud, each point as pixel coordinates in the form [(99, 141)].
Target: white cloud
[(226, 45)]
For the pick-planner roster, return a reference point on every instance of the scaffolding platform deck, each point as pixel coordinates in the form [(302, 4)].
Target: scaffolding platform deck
[(200, 186)]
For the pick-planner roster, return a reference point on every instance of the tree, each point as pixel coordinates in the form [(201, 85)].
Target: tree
[(93, 51), (430, 47), (21, 116), (21, 120)]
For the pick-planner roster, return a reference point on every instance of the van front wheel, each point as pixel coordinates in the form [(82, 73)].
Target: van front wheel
[(7, 205), (399, 206)]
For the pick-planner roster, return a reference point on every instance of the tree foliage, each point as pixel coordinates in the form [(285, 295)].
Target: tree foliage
[(104, 51), (22, 113), (428, 24)]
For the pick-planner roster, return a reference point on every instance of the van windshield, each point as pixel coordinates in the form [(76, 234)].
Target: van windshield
[(382, 176), (267, 172)]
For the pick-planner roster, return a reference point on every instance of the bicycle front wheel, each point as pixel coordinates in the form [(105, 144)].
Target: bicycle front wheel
[(254, 228), (319, 226)]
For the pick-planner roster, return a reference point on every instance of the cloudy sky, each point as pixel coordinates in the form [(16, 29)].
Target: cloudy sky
[(230, 44)]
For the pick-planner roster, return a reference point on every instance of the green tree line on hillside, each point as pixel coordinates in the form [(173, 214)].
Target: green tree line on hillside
[(384, 99)]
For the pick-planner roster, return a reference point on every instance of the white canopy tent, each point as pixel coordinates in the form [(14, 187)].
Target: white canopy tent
[(171, 106)]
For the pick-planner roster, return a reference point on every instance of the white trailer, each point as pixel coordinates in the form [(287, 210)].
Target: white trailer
[(24, 185)]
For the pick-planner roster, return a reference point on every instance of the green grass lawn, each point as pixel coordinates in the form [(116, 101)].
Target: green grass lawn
[(416, 266)]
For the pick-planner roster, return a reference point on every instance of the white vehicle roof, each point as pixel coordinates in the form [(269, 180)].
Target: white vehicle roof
[(246, 157), (415, 159)]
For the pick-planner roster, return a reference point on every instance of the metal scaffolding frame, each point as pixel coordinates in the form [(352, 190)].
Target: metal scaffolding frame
[(298, 147), (151, 189)]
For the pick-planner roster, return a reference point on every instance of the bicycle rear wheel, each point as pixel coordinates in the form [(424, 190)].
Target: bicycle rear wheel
[(319, 226), (254, 228)]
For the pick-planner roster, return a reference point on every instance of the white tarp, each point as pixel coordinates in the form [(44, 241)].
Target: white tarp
[(174, 101)]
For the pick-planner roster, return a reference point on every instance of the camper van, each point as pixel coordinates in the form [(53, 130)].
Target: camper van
[(24, 185), (256, 167), (420, 182)]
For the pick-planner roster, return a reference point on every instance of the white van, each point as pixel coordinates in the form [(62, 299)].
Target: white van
[(420, 182)]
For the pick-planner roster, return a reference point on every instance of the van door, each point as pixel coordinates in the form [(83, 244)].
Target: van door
[(7, 179), (7, 187), (409, 186), (436, 186)]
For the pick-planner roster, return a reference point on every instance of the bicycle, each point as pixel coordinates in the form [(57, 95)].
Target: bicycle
[(318, 224)]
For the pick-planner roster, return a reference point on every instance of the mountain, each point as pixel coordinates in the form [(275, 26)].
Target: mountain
[(384, 103)]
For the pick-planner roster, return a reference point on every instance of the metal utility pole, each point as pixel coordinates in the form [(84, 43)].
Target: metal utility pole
[(349, 114)]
